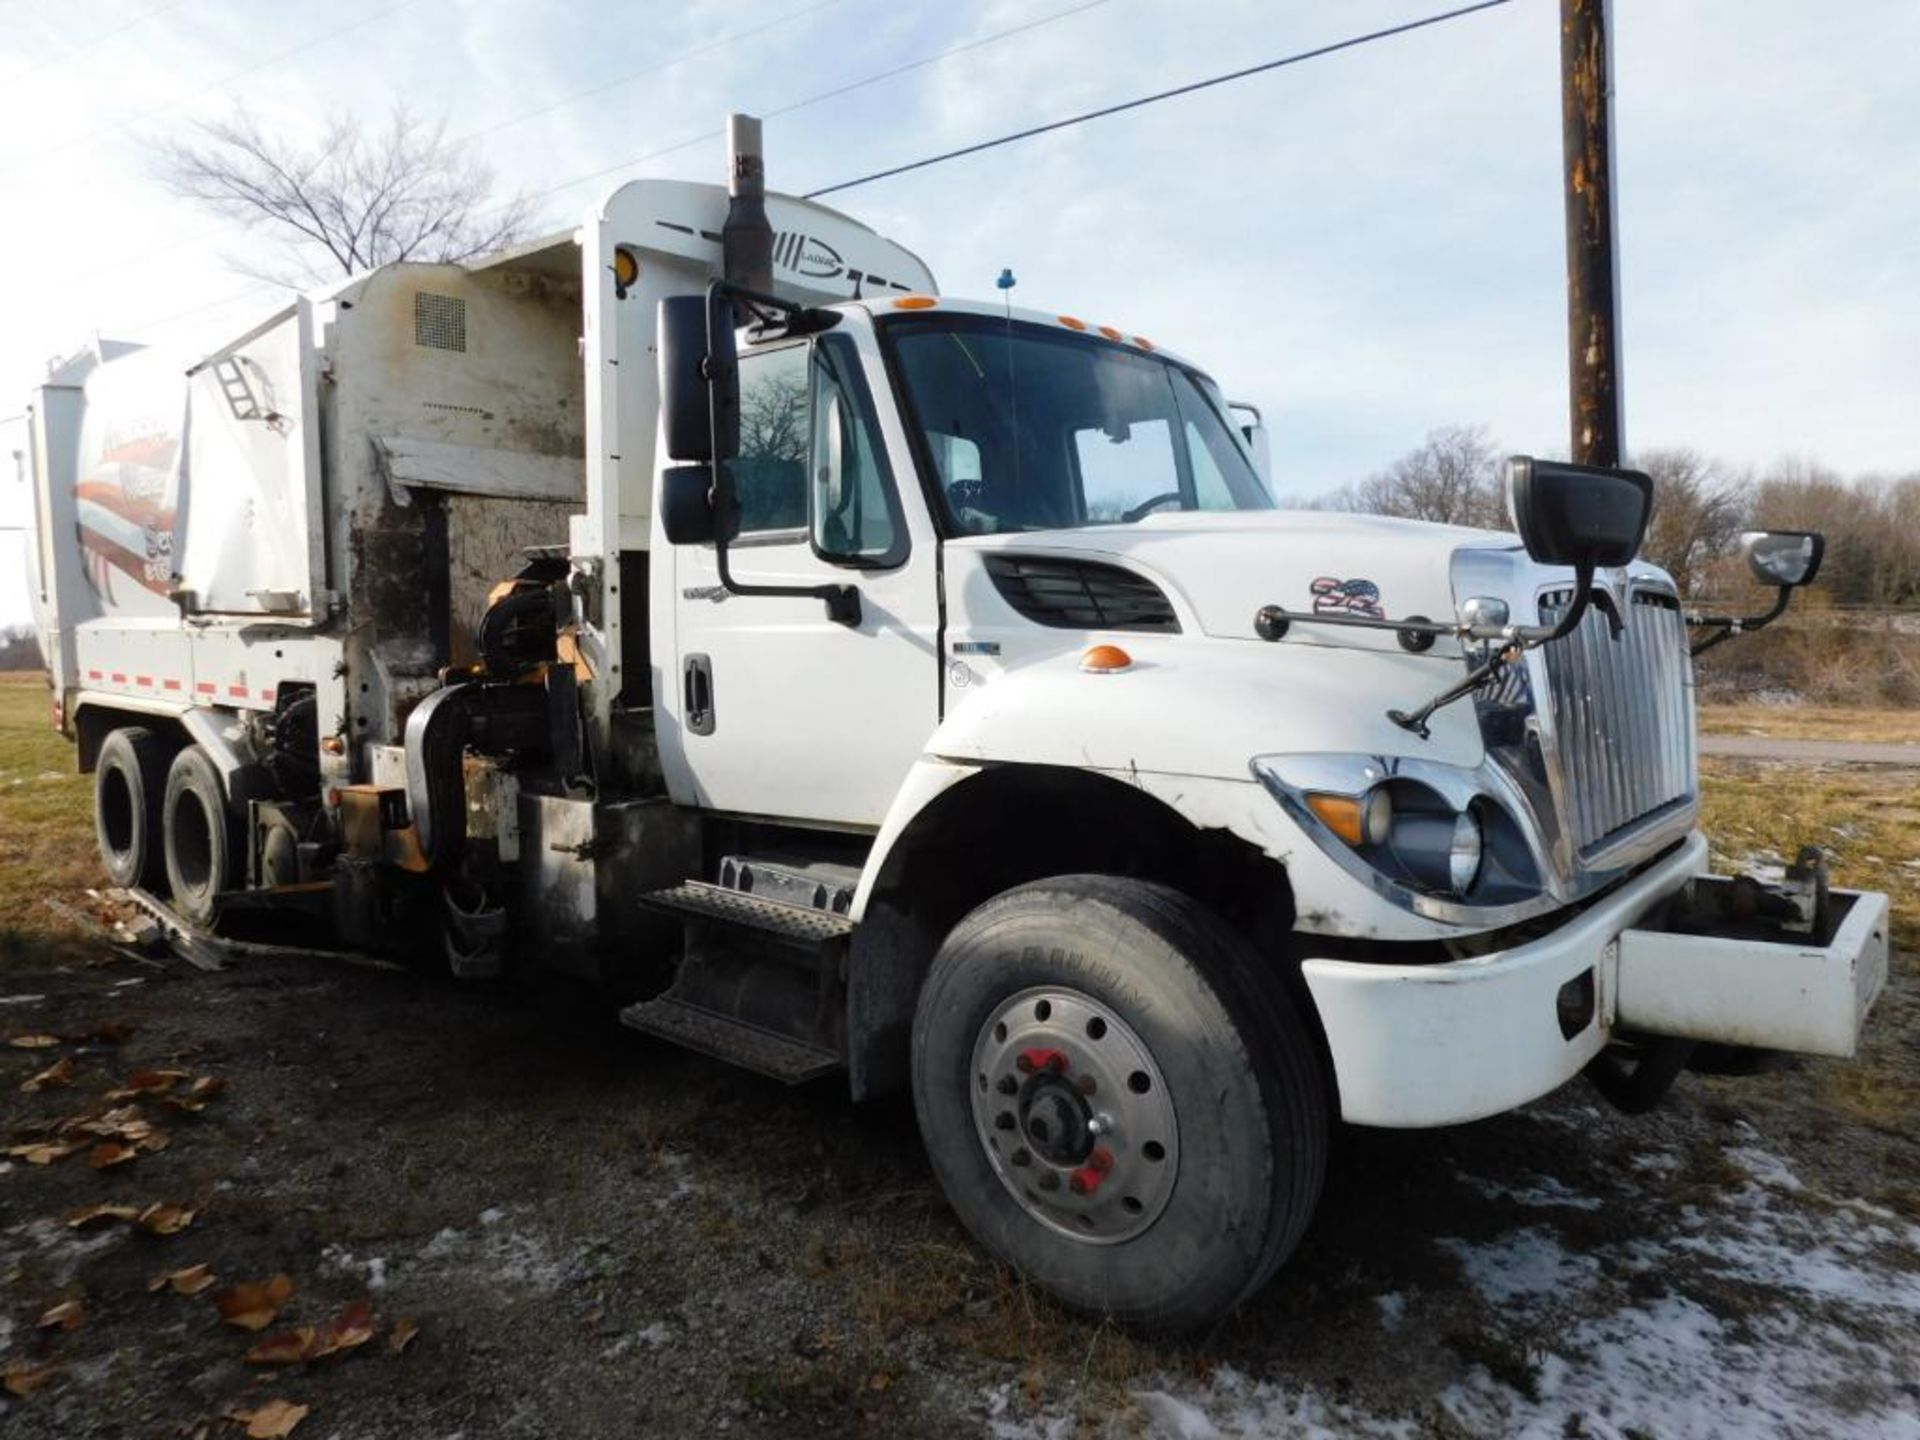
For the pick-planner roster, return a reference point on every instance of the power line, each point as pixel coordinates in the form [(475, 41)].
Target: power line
[(717, 44), (85, 45), (219, 84), (836, 91), (1135, 104)]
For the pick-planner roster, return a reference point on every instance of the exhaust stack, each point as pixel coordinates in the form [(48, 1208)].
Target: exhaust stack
[(746, 240)]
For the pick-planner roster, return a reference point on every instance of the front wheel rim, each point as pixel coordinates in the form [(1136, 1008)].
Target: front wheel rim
[(1074, 1115)]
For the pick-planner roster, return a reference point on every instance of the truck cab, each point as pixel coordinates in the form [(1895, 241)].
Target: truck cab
[(857, 681)]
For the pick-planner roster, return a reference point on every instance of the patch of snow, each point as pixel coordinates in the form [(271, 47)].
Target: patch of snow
[(21, 999), (1173, 1419), (492, 1215), (1671, 1369), (1521, 1265), (1543, 1192), (1393, 1309), (442, 1245), (1232, 1405), (656, 1334), (1656, 1162), (1767, 1169), (372, 1270)]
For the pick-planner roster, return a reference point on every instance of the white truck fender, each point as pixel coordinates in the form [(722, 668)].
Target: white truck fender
[(1173, 715)]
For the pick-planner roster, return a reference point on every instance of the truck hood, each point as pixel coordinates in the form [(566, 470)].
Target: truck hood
[(1218, 569)]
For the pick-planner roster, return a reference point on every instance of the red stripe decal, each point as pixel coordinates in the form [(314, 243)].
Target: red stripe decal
[(238, 692), (118, 678), (206, 687), (170, 684), (144, 680), (95, 675), (267, 695)]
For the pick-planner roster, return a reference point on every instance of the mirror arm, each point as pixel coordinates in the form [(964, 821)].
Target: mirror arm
[(842, 601), (1728, 626)]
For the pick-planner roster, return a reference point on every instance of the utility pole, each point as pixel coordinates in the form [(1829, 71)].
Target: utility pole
[(1593, 270)]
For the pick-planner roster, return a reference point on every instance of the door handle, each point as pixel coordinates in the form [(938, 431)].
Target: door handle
[(697, 691)]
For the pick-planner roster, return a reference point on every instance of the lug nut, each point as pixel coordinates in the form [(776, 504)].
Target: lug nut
[(1041, 1058)]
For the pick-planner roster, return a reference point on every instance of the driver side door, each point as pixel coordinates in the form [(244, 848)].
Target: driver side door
[(782, 711)]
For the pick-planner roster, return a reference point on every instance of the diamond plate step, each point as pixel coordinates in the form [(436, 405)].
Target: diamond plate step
[(797, 924), (724, 1038)]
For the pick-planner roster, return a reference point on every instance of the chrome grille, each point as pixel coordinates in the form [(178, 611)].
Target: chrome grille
[(1619, 730)]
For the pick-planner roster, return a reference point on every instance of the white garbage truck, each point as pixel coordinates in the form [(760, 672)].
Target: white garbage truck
[(855, 680)]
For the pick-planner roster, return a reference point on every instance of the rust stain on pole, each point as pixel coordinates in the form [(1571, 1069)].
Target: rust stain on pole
[(1593, 326)]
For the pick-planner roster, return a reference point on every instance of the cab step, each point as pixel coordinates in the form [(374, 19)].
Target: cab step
[(798, 925), (726, 1038)]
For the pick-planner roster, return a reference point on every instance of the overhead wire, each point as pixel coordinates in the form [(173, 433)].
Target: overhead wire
[(101, 38), (864, 82), (1352, 42)]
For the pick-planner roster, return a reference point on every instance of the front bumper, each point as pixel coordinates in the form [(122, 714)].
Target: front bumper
[(1418, 1045)]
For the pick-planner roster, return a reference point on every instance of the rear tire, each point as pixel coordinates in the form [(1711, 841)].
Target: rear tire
[(201, 839), (129, 784), (1199, 1081)]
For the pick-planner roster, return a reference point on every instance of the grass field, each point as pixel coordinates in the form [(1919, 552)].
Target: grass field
[(1812, 722), (46, 817)]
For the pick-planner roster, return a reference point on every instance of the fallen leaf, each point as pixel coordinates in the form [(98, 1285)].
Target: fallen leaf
[(93, 1214), (349, 1330), (403, 1334), (109, 1153), (252, 1304), (45, 1152), (67, 1315), (272, 1421), (153, 1140), (33, 1042), (190, 1281), (109, 1123), (22, 1377), (58, 1073), (164, 1219), (289, 1347), (206, 1087), (147, 1082)]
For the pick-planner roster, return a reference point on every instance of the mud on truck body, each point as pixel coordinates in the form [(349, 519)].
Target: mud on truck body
[(860, 681)]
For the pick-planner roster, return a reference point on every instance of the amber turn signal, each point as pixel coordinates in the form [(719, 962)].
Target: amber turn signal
[(1106, 660)]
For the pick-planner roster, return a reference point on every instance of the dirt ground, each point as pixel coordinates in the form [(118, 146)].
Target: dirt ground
[(595, 1234)]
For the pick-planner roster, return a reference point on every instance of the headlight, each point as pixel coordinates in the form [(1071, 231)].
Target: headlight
[(1463, 856), (1436, 847)]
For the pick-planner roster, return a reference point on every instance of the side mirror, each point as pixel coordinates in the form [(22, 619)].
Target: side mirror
[(686, 504), (699, 379), (1585, 516), (1786, 558), (1254, 431)]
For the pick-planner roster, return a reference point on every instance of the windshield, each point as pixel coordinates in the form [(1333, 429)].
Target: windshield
[(1031, 428)]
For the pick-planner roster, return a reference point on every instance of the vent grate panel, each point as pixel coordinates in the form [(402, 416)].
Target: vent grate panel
[(1081, 594), (439, 321)]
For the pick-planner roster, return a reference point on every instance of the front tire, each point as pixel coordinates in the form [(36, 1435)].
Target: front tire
[(1119, 1098), (201, 843)]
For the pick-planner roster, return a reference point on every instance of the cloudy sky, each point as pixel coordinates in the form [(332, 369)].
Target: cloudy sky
[(1367, 246)]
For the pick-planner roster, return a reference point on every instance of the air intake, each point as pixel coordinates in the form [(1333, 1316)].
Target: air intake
[(1080, 594)]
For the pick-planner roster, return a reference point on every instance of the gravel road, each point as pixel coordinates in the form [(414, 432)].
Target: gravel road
[(598, 1235), (1818, 752)]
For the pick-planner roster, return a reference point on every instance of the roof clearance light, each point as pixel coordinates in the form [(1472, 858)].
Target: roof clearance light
[(1106, 660), (626, 266), (915, 302), (1111, 333), (1143, 342), (1071, 323)]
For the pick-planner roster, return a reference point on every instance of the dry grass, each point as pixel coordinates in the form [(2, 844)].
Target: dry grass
[(46, 819), (1812, 722), (1867, 819)]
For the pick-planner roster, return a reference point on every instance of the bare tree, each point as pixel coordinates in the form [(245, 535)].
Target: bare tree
[(1699, 508), (1453, 478), (354, 199)]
